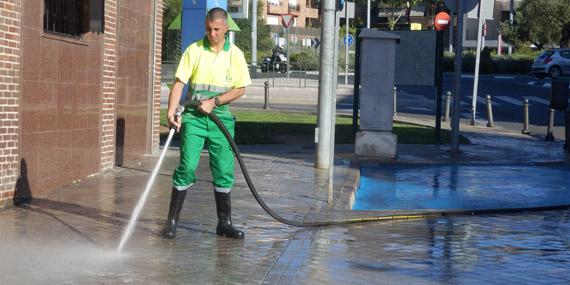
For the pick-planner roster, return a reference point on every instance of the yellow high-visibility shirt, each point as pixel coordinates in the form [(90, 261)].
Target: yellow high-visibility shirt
[(209, 74)]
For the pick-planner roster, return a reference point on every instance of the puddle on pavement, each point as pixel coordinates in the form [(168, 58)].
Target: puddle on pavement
[(461, 187)]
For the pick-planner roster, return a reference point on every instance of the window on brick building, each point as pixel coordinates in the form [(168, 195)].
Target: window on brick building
[(73, 17)]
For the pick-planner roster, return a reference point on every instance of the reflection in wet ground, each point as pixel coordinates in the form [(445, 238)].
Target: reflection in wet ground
[(528, 248), (461, 187)]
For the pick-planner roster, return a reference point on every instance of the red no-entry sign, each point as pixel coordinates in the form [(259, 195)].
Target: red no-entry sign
[(442, 21)]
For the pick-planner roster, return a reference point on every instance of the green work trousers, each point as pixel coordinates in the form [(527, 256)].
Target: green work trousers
[(196, 130)]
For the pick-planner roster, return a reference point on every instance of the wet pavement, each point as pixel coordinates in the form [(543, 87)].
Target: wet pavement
[(460, 187), (70, 236)]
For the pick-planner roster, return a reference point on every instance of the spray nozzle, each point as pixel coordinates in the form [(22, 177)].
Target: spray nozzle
[(179, 111)]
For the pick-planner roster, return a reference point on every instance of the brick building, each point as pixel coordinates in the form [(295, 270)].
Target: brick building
[(79, 89), (305, 12)]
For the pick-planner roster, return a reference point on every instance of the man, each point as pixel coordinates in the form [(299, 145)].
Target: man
[(217, 74)]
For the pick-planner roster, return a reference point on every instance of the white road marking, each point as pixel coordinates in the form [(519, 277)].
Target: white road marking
[(509, 100), (538, 100)]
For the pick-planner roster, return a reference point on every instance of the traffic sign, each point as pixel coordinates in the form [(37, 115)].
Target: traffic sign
[(348, 40), (442, 21), (294, 38), (467, 5), (315, 43), (486, 11), (287, 20)]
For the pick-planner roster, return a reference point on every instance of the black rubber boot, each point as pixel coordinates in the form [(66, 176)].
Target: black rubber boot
[(224, 208), (176, 202)]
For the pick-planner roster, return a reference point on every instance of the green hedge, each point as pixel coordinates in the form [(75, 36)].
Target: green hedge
[(492, 64), (305, 60)]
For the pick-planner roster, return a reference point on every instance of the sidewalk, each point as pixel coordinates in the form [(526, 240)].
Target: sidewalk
[(69, 236)]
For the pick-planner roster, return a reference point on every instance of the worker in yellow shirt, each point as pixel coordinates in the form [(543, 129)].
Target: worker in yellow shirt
[(217, 74)]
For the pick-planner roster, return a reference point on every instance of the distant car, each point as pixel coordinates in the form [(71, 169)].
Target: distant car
[(552, 63)]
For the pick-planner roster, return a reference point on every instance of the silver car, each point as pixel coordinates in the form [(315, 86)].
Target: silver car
[(553, 63)]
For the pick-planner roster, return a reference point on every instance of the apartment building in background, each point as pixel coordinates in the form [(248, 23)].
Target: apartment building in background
[(305, 12)]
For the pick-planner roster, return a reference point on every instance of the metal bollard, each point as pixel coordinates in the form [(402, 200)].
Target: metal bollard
[(567, 130), (447, 106), (549, 132), (490, 123), (525, 129), (395, 105), (266, 104)]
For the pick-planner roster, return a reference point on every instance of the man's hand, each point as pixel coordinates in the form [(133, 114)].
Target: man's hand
[(206, 106), (174, 122)]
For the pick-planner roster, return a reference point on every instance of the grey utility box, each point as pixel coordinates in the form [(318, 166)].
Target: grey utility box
[(377, 72)]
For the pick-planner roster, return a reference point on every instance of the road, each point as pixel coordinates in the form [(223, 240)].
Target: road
[(507, 93)]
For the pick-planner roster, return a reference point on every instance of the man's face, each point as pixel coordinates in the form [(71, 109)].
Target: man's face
[(216, 31)]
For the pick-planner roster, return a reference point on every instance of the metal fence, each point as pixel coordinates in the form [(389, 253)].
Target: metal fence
[(296, 76)]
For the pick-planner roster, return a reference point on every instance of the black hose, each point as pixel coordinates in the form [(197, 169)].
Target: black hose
[(299, 223)]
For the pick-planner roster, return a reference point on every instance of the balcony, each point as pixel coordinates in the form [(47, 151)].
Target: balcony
[(294, 7), (277, 7)]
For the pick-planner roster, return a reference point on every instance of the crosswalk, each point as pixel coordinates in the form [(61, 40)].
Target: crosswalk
[(543, 84)]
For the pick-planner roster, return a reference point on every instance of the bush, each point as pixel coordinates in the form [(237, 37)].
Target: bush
[(491, 64), (305, 60)]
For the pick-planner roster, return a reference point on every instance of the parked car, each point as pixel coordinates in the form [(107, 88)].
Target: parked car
[(552, 63), (277, 62)]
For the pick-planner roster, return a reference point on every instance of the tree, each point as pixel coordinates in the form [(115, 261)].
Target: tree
[(395, 9), (169, 43), (542, 22), (243, 38)]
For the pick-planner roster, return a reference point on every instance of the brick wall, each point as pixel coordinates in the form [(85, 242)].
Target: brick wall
[(10, 50), (157, 78), (108, 86)]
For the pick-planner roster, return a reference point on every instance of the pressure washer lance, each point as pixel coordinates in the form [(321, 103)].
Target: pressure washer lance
[(140, 204), (277, 217)]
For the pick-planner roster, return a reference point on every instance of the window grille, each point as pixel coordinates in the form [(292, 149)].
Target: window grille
[(73, 17)]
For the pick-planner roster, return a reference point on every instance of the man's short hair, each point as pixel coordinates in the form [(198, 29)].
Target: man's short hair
[(216, 14)]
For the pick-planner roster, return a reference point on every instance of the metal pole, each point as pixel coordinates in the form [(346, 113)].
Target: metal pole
[(346, 46), (451, 32), (395, 96), (325, 101), (549, 131), (525, 129), (287, 50), (334, 86), (266, 104), (567, 130), (511, 20), (254, 36), (439, 84), (490, 122), (477, 64), (447, 106), (454, 150), (367, 14), (356, 85)]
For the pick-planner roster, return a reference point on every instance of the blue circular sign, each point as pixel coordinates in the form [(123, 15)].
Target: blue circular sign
[(348, 40)]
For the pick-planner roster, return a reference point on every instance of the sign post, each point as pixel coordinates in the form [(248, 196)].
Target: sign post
[(442, 22), (485, 11), (287, 20), (346, 46), (347, 40)]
